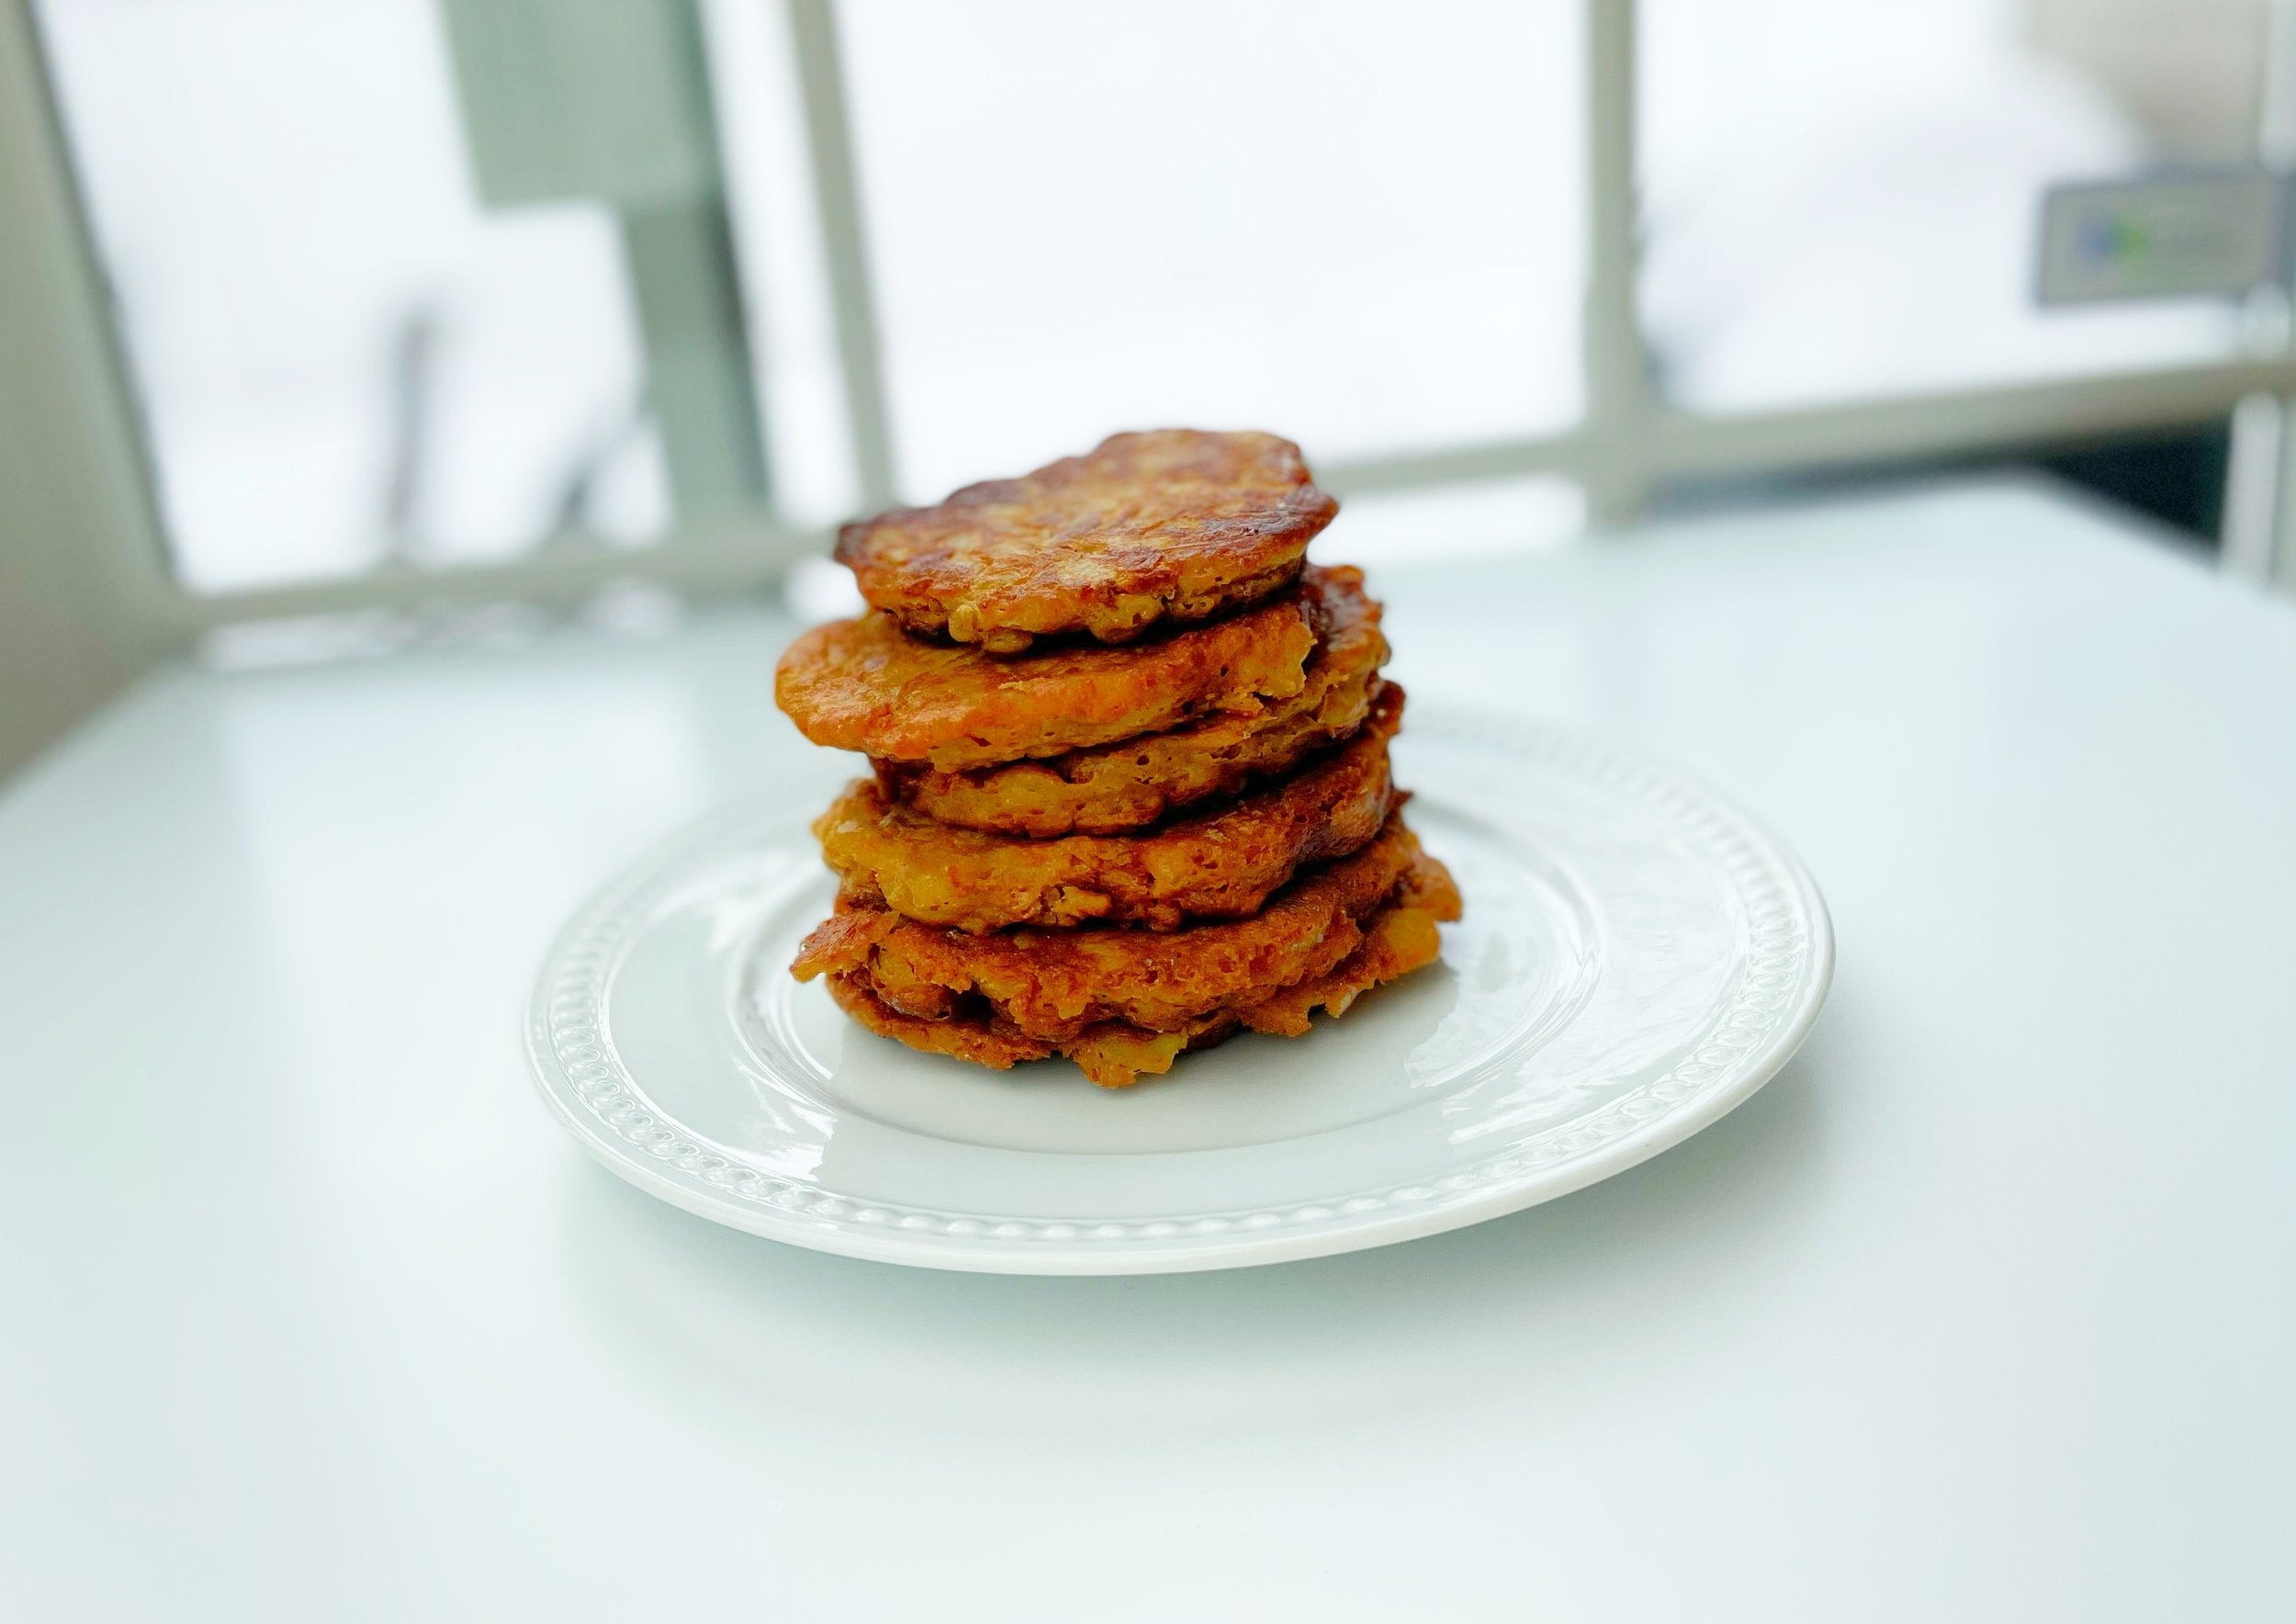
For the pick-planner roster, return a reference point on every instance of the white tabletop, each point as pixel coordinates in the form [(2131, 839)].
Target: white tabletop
[(1984, 1308)]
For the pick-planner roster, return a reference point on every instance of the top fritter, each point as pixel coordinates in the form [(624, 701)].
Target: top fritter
[(1175, 525)]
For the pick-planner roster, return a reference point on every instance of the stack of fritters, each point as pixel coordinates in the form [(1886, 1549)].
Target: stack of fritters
[(1131, 755)]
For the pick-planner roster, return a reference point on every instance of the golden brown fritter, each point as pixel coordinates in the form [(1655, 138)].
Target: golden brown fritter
[(1175, 525), (1399, 937), (1134, 782), (865, 684), (1221, 865), (1054, 985)]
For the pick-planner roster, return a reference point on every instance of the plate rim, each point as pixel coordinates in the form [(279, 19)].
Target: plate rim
[(1433, 1213)]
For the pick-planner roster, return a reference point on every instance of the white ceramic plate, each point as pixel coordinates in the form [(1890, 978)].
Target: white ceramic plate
[(1637, 958)]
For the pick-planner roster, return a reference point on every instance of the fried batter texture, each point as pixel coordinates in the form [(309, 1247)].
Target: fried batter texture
[(866, 685), (1221, 865), (1052, 985), (1398, 936), (1120, 786), (1175, 525)]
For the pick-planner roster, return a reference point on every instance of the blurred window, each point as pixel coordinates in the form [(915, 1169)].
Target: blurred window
[(1358, 222), (350, 345), (444, 281), (339, 358), (1841, 201)]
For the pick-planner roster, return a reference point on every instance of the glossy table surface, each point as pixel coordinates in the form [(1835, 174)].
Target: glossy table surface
[(1984, 1308)]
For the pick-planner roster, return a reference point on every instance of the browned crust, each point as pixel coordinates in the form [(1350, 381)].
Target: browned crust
[(1051, 985), (975, 1041), (1125, 785), (1399, 936), (865, 685), (1172, 524), (1221, 865)]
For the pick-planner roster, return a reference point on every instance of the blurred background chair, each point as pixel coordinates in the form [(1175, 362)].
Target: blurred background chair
[(322, 323)]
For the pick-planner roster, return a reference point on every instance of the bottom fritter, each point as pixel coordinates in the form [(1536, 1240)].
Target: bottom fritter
[(1396, 940), (1122, 1003)]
